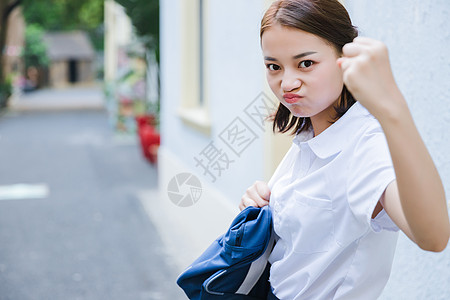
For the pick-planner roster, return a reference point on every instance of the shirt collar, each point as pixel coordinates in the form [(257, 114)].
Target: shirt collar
[(332, 139)]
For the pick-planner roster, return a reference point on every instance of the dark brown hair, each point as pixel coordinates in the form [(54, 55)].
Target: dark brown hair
[(327, 19)]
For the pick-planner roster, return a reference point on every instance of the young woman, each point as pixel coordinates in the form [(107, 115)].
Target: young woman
[(357, 171)]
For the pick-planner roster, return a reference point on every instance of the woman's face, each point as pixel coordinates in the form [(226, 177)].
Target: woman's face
[(303, 73)]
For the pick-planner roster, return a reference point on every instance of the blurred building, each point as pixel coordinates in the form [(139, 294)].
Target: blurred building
[(71, 57), (15, 42)]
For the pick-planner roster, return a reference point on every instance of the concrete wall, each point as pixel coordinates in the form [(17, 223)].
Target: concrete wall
[(85, 71), (234, 73), (15, 41), (235, 76), (58, 73), (417, 34)]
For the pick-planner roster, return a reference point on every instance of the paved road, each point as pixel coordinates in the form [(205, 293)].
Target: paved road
[(79, 97), (90, 237)]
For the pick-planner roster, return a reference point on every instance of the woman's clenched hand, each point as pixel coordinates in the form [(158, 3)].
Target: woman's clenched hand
[(256, 195), (368, 76)]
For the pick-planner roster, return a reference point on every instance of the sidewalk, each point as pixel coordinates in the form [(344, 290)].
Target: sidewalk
[(68, 98)]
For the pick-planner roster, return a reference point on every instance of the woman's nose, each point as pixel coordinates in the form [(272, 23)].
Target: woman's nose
[(291, 83)]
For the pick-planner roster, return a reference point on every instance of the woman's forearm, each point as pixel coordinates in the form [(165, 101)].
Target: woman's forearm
[(368, 76), (420, 187)]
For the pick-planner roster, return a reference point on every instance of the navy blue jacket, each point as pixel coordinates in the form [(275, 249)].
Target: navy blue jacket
[(235, 266)]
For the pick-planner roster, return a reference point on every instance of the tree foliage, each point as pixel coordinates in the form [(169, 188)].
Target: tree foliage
[(64, 14), (35, 53), (51, 15), (144, 15)]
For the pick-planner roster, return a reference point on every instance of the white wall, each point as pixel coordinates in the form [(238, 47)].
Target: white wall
[(417, 34), (235, 69)]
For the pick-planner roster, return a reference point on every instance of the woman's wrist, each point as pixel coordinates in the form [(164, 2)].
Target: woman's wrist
[(392, 110)]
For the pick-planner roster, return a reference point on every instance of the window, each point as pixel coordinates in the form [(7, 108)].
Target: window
[(193, 108)]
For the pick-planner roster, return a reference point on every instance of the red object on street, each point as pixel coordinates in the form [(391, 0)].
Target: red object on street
[(149, 137)]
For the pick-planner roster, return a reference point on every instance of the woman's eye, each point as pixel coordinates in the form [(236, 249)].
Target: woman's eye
[(273, 67), (306, 64)]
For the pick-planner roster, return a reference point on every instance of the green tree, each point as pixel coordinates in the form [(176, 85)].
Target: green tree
[(54, 15), (64, 14), (61, 15), (144, 15), (51, 15), (35, 52)]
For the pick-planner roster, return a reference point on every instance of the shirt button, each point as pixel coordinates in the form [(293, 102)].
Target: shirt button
[(274, 206)]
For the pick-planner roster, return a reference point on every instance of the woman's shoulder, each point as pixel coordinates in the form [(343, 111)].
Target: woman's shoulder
[(369, 143)]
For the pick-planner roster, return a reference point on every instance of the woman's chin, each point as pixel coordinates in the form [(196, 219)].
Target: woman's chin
[(299, 114)]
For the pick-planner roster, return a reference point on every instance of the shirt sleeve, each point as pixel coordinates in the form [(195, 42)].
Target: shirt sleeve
[(369, 173)]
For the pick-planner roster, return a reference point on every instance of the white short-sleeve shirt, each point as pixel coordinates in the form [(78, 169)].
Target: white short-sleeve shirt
[(323, 195)]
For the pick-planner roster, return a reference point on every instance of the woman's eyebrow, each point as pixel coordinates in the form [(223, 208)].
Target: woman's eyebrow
[(294, 57), (303, 54)]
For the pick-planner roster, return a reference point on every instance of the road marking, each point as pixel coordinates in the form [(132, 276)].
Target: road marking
[(23, 191)]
